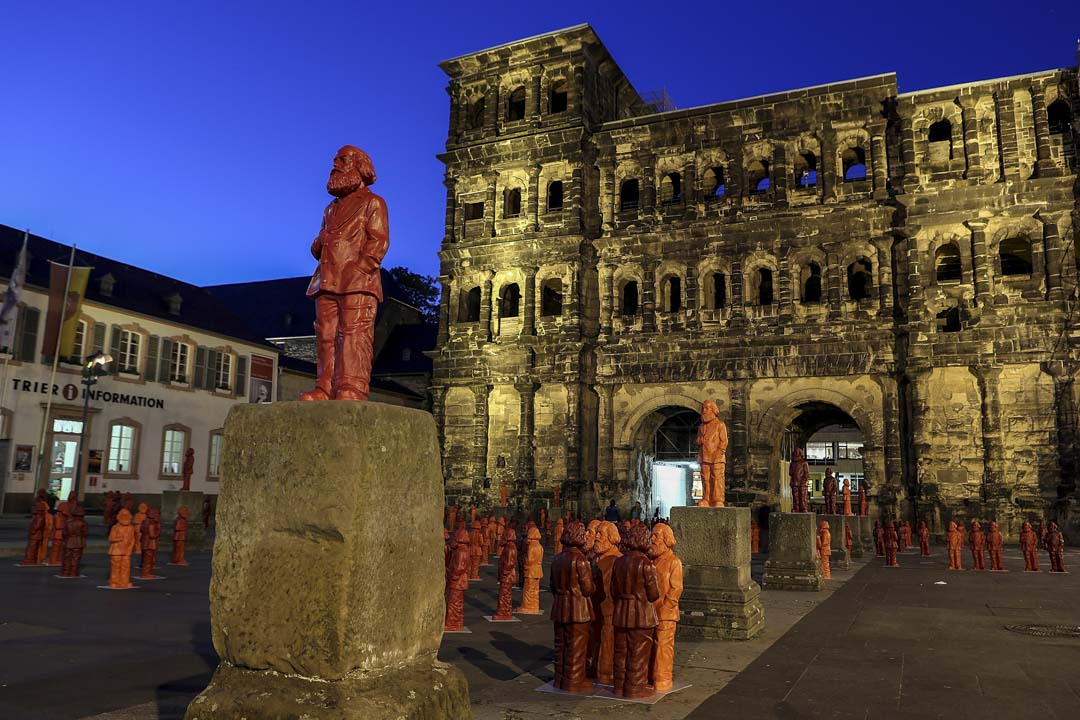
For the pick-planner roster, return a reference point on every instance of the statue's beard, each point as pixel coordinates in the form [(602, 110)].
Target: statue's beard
[(342, 183)]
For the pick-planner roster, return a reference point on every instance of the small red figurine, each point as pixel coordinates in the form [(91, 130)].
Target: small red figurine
[(56, 552), (500, 528), (504, 494), (459, 582), (36, 534), (955, 539), (560, 526), (847, 498), (994, 542), (43, 548), (507, 576), (924, 539), (121, 543), (1042, 534), (534, 571), (755, 537), (187, 469), (864, 499), (150, 531), (879, 538), (485, 543), (137, 524), (635, 589), (110, 504), (829, 489), (1055, 546), (75, 531), (824, 549), (669, 580), (892, 544), (476, 550), (800, 478), (849, 539), (555, 499), (606, 543), (572, 585), (905, 535), (1029, 543), (451, 518), (977, 542), (179, 538)]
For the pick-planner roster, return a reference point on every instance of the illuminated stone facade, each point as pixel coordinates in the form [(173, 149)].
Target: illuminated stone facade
[(903, 260)]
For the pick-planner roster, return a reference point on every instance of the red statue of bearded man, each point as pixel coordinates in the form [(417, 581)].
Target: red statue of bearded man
[(712, 440), (346, 285)]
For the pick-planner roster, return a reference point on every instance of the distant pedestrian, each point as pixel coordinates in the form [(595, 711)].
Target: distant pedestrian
[(612, 513), (635, 512)]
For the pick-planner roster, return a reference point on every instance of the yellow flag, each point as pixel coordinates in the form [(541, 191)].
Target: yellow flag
[(76, 292)]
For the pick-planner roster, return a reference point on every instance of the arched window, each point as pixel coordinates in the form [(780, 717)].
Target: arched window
[(854, 162), (551, 298), (719, 281), (812, 284), (948, 320), (859, 279), (671, 189), (469, 307), (940, 138), (512, 203), (515, 104), (510, 301), (557, 103), (765, 293), (1059, 117), (474, 114), (1015, 255), (805, 170), (714, 183), (671, 289), (555, 196), (757, 177), (947, 263), (628, 195), (630, 298)]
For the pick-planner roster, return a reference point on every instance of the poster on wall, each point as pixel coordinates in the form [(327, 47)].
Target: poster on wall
[(93, 463), (24, 458), (262, 379)]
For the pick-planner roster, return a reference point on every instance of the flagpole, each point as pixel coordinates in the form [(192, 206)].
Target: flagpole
[(55, 364)]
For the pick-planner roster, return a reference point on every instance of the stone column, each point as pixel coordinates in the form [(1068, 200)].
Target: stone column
[(690, 190), (1053, 254), (980, 261), (486, 303), (605, 438), (576, 200), (453, 89), (648, 297), (1044, 164), (993, 451), (738, 304), (885, 279), (489, 205), (738, 435), (893, 472), (526, 432), (905, 111), (879, 164), (785, 294), (837, 286), (532, 206), (720, 600), (438, 411), (827, 166), (534, 97), (779, 173), (793, 562), (971, 138), (918, 385), (839, 559), (491, 106), (648, 189), (1065, 411), (608, 301), (693, 312), (573, 437), (444, 311), (480, 435), (451, 209), (529, 316), (572, 301), (1006, 130), (314, 613)]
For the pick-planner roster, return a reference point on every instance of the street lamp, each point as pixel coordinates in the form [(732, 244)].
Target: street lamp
[(93, 368)]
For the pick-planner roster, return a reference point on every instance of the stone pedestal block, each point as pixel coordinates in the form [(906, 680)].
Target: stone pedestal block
[(719, 599), (866, 531), (793, 562), (171, 500), (857, 539), (839, 559), (326, 597)]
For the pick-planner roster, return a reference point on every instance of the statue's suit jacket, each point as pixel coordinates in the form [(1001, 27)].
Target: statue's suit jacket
[(350, 246)]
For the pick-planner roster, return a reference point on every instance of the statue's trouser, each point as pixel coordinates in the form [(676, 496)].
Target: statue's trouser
[(1031, 560), (954, 559), (664, 655), (712, 484), (571, 648), (605, 651), (530, 596), (120, 575), (506, 601), (31, 553), (72, 556), (148, 562), (633, 649), (345, 332), (455, 610)]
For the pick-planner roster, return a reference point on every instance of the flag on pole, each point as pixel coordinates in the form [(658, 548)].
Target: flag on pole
[(10, 312), (63, 315)]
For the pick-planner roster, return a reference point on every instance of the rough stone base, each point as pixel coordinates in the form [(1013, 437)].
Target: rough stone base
[(709, 613), (839, 559), (401, 694), (792, 563), (171, 500)]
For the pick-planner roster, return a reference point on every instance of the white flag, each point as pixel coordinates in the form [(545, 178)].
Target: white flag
[(9, 314)]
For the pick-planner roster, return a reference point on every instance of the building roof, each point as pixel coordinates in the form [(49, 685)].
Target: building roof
[(281, 308), (133, 289), (416, 339)]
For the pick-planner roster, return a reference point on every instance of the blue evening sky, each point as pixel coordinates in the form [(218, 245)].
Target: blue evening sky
[(194, 138)]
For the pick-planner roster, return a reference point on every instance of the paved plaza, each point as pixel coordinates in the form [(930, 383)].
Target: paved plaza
[(878, 643)]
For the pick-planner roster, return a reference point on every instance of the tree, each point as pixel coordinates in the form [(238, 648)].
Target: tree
[(421, 291)]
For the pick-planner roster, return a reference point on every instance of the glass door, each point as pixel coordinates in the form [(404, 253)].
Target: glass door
[(65, 453)]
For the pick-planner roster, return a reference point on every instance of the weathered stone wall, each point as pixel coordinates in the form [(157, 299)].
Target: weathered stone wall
[(904, 259)]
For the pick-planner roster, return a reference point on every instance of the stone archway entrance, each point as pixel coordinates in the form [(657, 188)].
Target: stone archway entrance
[(829, 438), (664, 472)]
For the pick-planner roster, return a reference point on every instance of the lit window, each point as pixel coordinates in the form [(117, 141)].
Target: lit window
[(172, 452), (79, 348), (129, 351), (819, 451), (121, 444), (178, 363), (215, 454), (223, 371)]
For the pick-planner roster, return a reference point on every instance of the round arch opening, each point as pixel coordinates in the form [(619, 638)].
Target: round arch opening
[(665, 471), (829, 438)]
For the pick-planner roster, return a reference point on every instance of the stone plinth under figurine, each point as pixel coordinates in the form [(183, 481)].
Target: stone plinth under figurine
[(793, 563), (840, 558), (171, 501), (719, 598), (326, 596)]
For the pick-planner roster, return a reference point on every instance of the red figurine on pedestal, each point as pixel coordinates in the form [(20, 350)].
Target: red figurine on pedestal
[(829, 488), (799, 473), (504, 494), (924, 539), (879, 538), (892, 544), (507, 576), (994, 542), (36, 534), (905, 535), (849, 539), (1055, 546), (149, 532), (533, 572), (56, 552), (346, 284), (187, 469), (75, 531), (476, 550), (712, 442), (977, 542), (955, 539), (864, 498), (179, 538), (459, 582), (847, 498), (121, 544), (755, 537), (572, 584), (140, 517), (635, 589), (669, 580), (43, 548), (824, 549), (1029, 543)]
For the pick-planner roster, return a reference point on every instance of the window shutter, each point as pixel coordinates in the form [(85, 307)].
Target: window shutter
[(165, 361), (241, 375), (28, 320), (211, 370), (199, 380), (99, 337), (114, 348), (151, 358)]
